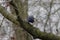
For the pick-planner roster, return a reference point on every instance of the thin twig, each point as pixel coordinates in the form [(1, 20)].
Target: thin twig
[(48, 16)]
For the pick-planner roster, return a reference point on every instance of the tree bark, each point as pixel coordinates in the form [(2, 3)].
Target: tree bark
[(21, 34)]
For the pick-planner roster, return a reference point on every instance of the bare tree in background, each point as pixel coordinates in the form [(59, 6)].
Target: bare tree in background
[(46, 25)]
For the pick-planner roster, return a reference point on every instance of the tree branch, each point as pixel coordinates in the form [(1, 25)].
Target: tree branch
[(9, 16)]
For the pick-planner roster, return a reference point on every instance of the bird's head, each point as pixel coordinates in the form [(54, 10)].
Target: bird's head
[(30, 19)]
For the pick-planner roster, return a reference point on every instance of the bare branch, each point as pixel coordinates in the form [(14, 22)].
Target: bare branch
[(48, 15), (35, 32)]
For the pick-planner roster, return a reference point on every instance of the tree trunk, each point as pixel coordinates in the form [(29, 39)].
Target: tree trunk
[(20, 33)]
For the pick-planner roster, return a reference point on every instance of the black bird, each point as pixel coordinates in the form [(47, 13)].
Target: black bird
[(30, 19)]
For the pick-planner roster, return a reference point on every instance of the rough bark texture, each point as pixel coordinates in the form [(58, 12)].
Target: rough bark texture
[(20, 33)]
